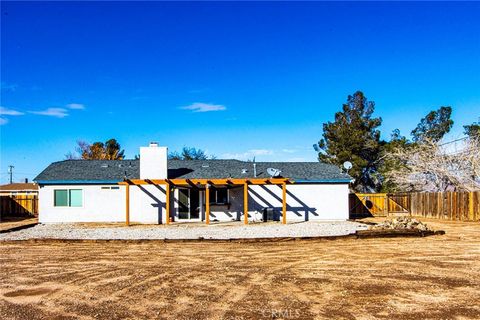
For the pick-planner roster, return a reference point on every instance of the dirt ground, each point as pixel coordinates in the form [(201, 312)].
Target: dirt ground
[(12, 222), (435, 277)]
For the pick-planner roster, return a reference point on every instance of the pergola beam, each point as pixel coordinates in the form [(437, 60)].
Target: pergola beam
[(230, 181), (167, 203), (207, 204), (284, 203), (245, 203), (207, 183), (127, 204)]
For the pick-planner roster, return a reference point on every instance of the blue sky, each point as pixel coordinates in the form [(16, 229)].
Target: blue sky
[(267, 75)]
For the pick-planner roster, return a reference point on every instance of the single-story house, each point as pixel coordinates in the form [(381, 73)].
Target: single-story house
[(156, 190), (15, 189)]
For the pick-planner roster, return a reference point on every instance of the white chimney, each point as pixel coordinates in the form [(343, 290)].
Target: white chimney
[(153, 162)]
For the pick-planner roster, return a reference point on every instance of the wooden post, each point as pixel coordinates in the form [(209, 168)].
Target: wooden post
[(167, 202), (470, 206), (127, 205), (207, 203), (245, 203), (284, 203)]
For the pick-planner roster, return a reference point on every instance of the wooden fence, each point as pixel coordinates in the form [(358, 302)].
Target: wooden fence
[(462, 206), (19, 205), (378, 204)]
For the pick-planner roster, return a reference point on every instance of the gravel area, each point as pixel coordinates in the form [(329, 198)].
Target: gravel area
[(178, 231)]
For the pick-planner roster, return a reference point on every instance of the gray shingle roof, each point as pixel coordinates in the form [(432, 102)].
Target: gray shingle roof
[(117, 170)]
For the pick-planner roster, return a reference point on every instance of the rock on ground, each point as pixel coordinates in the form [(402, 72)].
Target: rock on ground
[(402, 223)]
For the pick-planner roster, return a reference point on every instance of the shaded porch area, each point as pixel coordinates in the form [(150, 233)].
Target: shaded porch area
[(196, 199)]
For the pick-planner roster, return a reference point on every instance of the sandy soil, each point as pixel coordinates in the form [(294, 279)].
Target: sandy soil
[(399, 278), (11, 222)]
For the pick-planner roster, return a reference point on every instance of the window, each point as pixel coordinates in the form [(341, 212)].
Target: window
[(222, 195), (68, 198), (219, 196), (61, 198), (75, 198)]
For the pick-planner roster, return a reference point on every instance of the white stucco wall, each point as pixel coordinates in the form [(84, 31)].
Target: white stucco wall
[(147, 203), (304, 202), (99, 205)]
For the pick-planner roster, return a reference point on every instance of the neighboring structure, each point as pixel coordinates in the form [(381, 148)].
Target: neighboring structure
[(15, 189), (156, 190), (18, 199)]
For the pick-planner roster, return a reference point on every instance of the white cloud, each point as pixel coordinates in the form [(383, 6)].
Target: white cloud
[(52, 112), (248, 155), (3, 121), (76, 106), (9, 112), (204, 107), (289, 150)]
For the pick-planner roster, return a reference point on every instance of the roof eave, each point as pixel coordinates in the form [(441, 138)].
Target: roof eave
[(57, 182), (331, 181)]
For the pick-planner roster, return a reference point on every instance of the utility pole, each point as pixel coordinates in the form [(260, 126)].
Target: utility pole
[(10, 171)]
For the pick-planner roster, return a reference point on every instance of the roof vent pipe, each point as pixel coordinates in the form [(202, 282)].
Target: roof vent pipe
[(153, 144), (254, 168)]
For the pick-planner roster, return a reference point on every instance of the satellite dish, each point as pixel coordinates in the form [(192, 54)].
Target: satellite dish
[(347, 165), (273, 172)]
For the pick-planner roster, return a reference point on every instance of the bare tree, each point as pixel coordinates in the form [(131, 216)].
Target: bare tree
[(432, 167)]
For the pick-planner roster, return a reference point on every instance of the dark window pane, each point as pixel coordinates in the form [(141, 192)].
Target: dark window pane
[(183, 204), (222, 195), (60, 198), (194, 204)]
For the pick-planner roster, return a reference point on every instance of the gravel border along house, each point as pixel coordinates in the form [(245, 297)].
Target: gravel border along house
[(184, 231)]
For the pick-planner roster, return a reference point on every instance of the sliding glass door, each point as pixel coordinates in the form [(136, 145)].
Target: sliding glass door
[(188, 204)]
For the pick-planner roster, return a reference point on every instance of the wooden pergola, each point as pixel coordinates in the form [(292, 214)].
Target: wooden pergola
[(207, 183)]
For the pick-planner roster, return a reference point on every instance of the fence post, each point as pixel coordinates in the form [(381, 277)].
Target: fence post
[(470, 206), (385, 205), (444, 204)]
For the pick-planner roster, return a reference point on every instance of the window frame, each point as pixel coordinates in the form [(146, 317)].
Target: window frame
[(214, 196), (70, 198), (55, 198), (68, 205)]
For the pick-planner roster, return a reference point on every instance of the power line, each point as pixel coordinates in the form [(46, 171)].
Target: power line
[(456, 140)]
